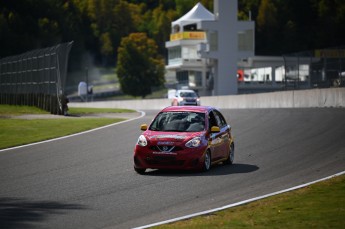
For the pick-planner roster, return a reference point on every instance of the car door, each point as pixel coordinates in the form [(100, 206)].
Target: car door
[(224, 136), (215, 138)]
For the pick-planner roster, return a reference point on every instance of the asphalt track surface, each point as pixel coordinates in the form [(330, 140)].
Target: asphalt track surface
[(87, 181)]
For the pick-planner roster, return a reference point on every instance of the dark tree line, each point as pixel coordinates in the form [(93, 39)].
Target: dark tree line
[(97, 26), (285, 26)]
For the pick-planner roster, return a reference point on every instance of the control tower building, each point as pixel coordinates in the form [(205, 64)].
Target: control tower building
[(204, 48)]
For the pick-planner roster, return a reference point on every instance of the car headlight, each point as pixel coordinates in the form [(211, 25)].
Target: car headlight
[(195, 142), (142, 141)]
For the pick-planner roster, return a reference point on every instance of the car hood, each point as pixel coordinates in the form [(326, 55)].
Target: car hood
[(159, 136)]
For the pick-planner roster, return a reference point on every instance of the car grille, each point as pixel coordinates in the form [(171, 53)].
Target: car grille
[(166, 148), (164, 160)]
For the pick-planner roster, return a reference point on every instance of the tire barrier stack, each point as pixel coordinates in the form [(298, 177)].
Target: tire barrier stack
[(36, 78)]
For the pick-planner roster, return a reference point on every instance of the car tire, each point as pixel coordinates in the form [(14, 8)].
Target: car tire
[(231, 156), (140, 171), (207, 161)]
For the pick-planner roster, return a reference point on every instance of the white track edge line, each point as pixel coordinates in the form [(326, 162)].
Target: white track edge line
[(76, 134), (238, 203)]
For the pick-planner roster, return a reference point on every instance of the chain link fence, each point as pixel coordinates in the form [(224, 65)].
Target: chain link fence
[(320, 68), (36, 78)]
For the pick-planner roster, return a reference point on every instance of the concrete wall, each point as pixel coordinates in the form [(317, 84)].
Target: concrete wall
[(330, 97)]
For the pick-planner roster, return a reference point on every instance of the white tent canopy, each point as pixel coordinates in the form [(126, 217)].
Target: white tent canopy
[(197, 14)]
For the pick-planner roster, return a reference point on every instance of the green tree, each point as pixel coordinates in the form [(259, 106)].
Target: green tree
[(267, 25), (159, 26), (110, 21), (247, 6), (26, 25), (330, 21), (139, 67)]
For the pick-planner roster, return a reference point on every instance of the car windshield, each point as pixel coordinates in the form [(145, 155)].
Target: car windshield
[(188, 94), (181, 121)]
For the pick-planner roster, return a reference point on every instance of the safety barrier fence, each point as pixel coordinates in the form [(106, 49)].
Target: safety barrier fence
[(321, 68), (311, 98), (36, 78)]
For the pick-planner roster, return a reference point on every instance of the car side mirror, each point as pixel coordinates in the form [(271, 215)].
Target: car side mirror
[(215, 129), (143, 127)]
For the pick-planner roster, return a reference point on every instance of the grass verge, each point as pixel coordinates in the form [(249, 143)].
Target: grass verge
[(82, 110), (320, 205), (10, 110), (15, 132)]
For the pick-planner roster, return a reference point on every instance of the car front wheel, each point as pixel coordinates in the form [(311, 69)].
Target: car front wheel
[(207, 161)]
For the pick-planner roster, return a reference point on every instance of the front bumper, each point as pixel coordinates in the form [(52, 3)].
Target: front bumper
[(189, 158), (185, 103)]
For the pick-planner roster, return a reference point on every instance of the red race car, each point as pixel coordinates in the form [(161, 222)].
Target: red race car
[(184, 137)]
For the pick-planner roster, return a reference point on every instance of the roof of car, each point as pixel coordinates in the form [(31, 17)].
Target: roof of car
[(201, 109)]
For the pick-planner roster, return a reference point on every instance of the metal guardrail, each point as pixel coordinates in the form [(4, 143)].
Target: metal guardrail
[(36, 78)]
